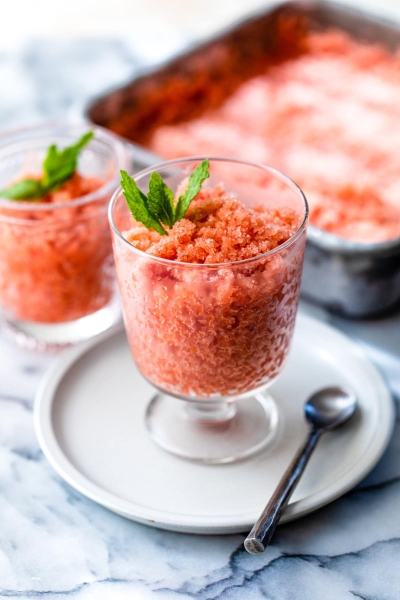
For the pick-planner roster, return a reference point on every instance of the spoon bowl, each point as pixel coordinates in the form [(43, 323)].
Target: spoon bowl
[(329, 408)]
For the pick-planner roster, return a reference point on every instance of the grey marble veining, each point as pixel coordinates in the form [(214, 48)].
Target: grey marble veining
[(56, 544), (47, 79)]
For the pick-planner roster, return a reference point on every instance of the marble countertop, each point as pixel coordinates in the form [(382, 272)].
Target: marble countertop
[(56, 544)]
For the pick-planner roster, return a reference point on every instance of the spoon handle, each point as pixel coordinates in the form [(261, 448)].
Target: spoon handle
[(263, 530)]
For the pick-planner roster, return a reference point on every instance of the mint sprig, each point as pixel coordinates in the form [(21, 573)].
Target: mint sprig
[(138, 204), (158, 207), (27, 189), (58, 167)]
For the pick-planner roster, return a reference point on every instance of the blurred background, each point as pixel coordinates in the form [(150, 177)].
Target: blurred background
[(131, 18), (54, 55)]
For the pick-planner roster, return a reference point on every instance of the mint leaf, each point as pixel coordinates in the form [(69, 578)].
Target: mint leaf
[(138, 204), (60, 165), (27, 189), (161, 200), (195, 182), (159, 206)]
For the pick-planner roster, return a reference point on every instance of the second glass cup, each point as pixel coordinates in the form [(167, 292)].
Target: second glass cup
[(57, 278), (213, 336)]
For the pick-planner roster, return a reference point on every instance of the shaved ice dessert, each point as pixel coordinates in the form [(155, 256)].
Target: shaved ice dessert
[(56, 262), (210, 308), (326, 117)]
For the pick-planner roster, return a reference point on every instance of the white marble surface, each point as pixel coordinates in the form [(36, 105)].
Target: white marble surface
[(56, 544)]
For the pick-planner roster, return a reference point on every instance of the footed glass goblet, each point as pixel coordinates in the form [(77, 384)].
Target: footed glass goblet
[(213, 336)]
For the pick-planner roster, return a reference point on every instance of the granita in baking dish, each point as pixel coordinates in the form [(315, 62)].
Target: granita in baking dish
[(328, 118), (56, 262), (209, 272)]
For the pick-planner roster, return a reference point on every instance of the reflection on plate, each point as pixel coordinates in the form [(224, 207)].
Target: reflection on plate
[(89, 418)]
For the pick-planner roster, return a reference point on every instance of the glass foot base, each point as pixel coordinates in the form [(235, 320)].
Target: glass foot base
[(210, 432), (53, 337)]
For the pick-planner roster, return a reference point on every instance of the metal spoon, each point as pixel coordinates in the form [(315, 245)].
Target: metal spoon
[(325, 410)]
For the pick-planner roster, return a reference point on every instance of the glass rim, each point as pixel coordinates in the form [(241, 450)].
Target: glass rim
[(195, 159), (117, 144)]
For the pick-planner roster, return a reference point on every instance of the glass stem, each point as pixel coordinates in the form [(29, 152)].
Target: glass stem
[(210, 412)]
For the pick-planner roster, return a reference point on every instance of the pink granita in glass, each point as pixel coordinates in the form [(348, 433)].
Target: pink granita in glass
[(210, 309), (51, 269), (56, 263)]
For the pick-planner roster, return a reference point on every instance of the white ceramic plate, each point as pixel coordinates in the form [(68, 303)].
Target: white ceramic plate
[(89, 422)]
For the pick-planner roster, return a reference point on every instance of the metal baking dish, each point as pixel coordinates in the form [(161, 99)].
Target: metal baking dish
[(349, 278)]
